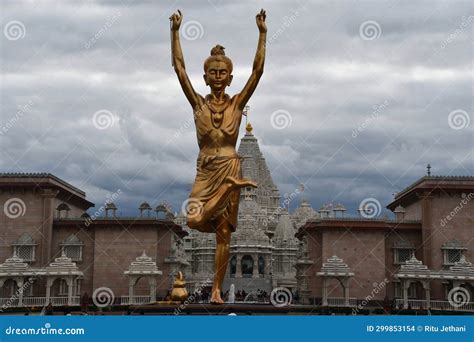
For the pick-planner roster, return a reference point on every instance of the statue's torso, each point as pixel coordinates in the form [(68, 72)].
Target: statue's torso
[(218, 136)]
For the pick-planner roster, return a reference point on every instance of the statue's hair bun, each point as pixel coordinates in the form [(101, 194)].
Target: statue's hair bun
[(218, 50)]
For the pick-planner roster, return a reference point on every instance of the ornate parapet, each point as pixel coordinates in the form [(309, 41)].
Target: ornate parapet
[(335, 267)]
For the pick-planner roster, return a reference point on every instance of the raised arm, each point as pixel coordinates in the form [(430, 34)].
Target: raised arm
[(178, 60), (258, 62)]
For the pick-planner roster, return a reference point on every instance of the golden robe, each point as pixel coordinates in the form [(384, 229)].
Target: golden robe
[(212, 169)]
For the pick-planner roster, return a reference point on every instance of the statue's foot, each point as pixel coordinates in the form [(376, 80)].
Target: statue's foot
[(240, 183), (216, 297)]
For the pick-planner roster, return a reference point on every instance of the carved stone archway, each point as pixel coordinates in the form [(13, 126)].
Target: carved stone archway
[(335, 268), (143, 266)]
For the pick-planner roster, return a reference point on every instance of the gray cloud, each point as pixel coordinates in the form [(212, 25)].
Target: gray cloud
[(77, 59)]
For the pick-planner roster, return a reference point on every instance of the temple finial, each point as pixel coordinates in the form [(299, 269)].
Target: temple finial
[(249, 128), (428, 169)]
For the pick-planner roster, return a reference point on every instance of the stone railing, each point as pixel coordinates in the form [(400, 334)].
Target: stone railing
[(37, 301), (435, 305), (335, 301), (125, 300)]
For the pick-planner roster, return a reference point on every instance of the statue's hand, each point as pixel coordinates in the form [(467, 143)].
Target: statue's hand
[(176, 19), (262, 27)]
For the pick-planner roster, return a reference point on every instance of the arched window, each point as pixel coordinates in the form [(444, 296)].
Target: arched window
[(233, 266), (25, 248), (247, 266), (62, 211), (72, 247)]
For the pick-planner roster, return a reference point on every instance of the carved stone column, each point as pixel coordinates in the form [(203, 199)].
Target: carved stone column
[(70, 287), (345, 286), (427, 288), (152, 283), (19, 284), (49, 283), (325, 292), (405, 285), (255, 266), (238, 266)]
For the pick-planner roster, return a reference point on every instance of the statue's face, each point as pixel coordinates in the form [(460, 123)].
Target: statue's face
[(217, 75)]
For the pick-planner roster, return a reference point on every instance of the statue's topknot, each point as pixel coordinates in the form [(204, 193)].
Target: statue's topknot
[(218, 50)]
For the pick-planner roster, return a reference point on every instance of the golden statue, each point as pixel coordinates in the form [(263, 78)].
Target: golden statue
[(179, 292), (214, 199)]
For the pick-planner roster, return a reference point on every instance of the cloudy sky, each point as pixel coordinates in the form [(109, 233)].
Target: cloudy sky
[(356, 99)]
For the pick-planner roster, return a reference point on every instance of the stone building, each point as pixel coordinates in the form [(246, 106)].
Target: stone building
[(420, 259), (51, 244)]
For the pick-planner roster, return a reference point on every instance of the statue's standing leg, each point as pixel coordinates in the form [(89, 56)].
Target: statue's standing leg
[(223, 235)]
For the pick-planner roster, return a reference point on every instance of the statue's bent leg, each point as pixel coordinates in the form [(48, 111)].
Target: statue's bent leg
[(200, 216), (223, 235)]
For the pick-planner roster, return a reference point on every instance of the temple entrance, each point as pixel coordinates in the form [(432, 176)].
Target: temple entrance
[(247, 266)]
